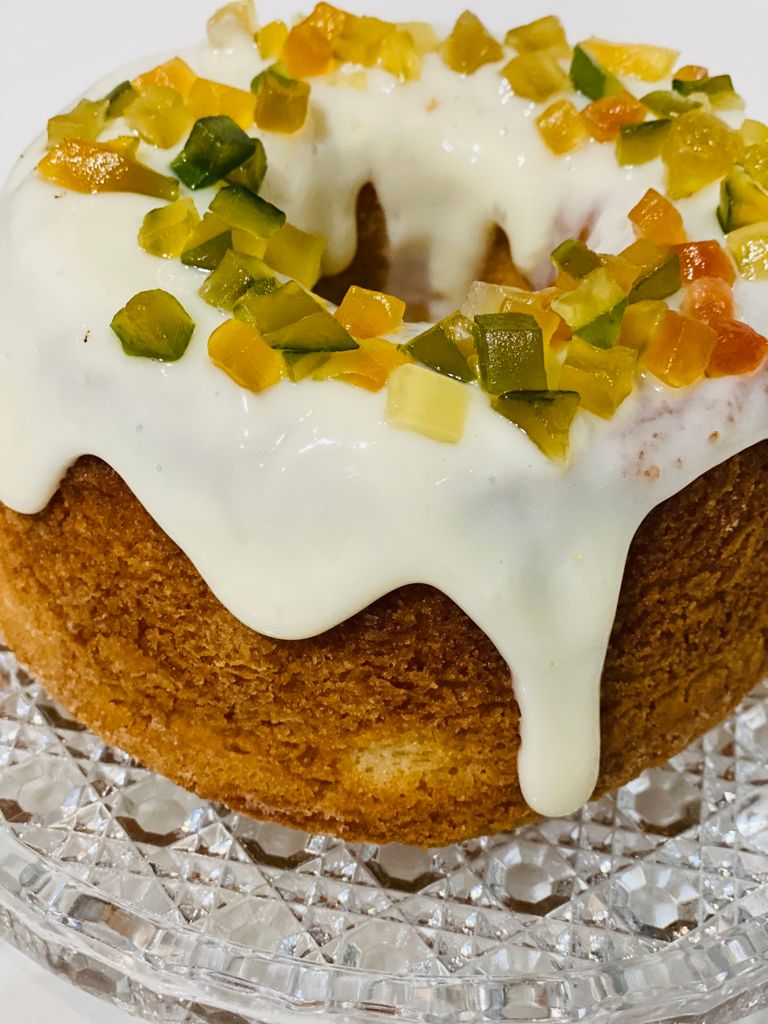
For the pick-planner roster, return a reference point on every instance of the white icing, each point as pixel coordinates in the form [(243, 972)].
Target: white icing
[(300, 506)]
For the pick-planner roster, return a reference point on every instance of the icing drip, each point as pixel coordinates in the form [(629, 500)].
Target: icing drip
[(300, 506)]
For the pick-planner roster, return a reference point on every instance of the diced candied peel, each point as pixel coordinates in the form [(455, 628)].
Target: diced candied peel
[(440, 349), (545, 33), (230, 22), (369, 367), (425, 38), (252, 172), (306, 52), (126, 145), (165, 232), (119, 99), (532, 305), (640, 323), (749, 248), (649, 63), (282, 104), (603, 378), (658, 270), (300, 365), (235, 275), (470, 45), (96, 167), (208, 254), (605, 117), (317, 332), (753, 132), (240, 208), (624, 273), (718, 91), (510, 350), (427, 403), (400, 55), (297, 254), (330, 21), (160, 116), (574, 259), (86, 121), (286, 305), (215, 147), (708, 299), (593, 310), (680, 350), (589, 77), (667, 104), (656, 219), (755, 162), (545, 416), (245, 242), (271, 39), (691, 73), (535, 76), (175, 73), (640, 143), (705, 259), (742, 201), (484, 297), (738, 350), (368, 314), (212, 99), (240, 351), (699, 149), (562, 128), (154, 325)]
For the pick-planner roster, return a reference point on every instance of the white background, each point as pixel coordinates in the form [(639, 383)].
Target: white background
[(50, 50)]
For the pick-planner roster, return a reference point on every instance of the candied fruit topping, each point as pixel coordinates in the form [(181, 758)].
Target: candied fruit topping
[(282, 103), (594, 309), (97, 167), (240, 351), (160, 116), (427, 403), (368, 314), (287, 304), (605, 117), (749, 247), (708, 299), (588, 76), (215, 147), (212, 99), (739, 349), (297, 254), (175, 73), (119, 99), (510, 350), (235, 275), (641, 143), (603, 378), (640, 323), (368, 367), (699, 149), (545, 416), (691, 73), (440, 349), (306, 52), (240, 208), (742, 201), (562, 127), (271, 40), (535, 76), (86, 121), (754, 133), (649, 63), (230, 21), (545, 33), (705, 259), (400, 55), (470, 45), (680, 350), (657, 220), (154, 325), (166, 232), (658, 269)]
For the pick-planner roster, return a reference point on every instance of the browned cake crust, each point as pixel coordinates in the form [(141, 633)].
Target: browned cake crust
[(399, 724)]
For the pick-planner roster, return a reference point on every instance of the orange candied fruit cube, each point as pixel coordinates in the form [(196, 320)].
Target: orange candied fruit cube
[(708, 299), (368, 367), (208, 99), (739, 349), (240, 351), (306, 52), (367, 314), (271, 39), (176, 73), (705, 259), (648, 63), (656, 219), (562, 127), (691, 73), (606, 117), (329, 21), (680, 349)]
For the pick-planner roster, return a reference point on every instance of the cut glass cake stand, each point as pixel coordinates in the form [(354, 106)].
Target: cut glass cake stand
[(649, 905)]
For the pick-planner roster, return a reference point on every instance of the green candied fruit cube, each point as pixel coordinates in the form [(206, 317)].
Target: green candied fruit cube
[(119, 99), (252, 173), (209, 254), (545, 416), (240, 208), (668, 104), (285, 305), (640, 143), (437, 349), (154, 325), (575, 258), (510, 349), (718, 88), (317, 332), (594, 309), (233, 277), (215, 147), (742, 201), (659, 270), (590, 78), (86, 121), (300, 365)]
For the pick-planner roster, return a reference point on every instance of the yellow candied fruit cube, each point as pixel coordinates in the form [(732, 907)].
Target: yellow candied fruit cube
[(240, 351), (366, 314), (470, 45), (329, 20), (272, 39), (602, 377), (86, 121), (698, 149), (749, 247), (483, 298), (281, 104), (640, 322), (649, 63), (297, 254), (369, 367), (399, 55), (754, 133), (165, 232), (679, 350), (299, 365), (247, 243), (126, 145), (536, 76), (306, 52), (230, 21), (360, 40), (175, 73), (211, 226), (210, 99), (543, 34), (427, 403), (160, 116), (425, 38), (562, 127)]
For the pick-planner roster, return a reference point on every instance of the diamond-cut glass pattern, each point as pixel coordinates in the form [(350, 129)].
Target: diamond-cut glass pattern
[(648, 905)]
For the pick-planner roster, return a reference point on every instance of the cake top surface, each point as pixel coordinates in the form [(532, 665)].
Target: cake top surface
[(309, 459)]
